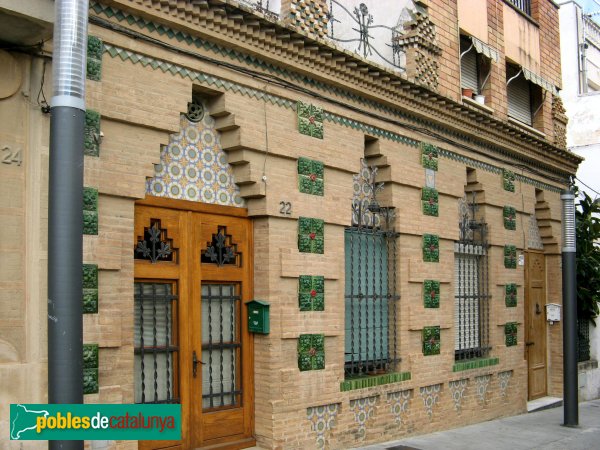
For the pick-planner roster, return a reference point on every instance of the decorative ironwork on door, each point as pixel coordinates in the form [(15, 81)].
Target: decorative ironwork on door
[(221, 250), (155, 245)]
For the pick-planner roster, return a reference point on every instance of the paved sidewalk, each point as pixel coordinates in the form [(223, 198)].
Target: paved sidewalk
[(536, 430)]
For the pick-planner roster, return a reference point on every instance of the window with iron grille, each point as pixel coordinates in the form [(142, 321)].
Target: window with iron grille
[(522, 5), (155, 344), (370, 288), (471, 299)]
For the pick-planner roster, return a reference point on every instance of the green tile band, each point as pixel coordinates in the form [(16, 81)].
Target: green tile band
[(509, 215), (311, 237), (90, 210), (351, 384), (90, 288), (431, 248), (94, 58), (429, 156), (510, 256), (431, 294), (510, 297), (311, 293), (310, 120), (475, 364), (431, 340), (311, 352), (310, 176), (430, 201), (91, 133), (508, 180), (510, 333)]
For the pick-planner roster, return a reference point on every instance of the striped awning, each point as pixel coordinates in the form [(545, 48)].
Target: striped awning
[(485, 49), (538, 80)]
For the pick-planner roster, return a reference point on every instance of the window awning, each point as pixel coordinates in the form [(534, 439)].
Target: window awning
[(484, 49), (538, 80)]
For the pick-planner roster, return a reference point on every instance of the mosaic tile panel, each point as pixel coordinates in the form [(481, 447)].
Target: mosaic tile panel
[(311, 293), (364, 409), (431, 340), (431, 293), (510, 256), (431, 248), (458, 388), (430, 396), (429, 156), (90, 356), (310, 120), (508, 180), (322, 421), (509, 214), (311, 352), (310, 176), (503, 382), (194, 167), (90, 381), (90, 211), (510, 334), (91, 133), (481, 385), (311, 16), (94, 58), (399, 404), (311, 237), (90, 288), (510, 295), (430, 201)]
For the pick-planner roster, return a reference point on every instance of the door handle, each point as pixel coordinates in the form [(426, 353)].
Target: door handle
[(529, 343), (537, 308), (195, 362)]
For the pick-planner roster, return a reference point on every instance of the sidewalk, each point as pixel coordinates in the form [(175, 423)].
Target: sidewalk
[(537, 430)]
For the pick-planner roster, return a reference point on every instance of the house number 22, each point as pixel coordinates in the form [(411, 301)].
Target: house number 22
[(10, 156), (285, 208)]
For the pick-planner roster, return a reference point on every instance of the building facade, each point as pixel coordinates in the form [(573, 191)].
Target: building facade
[(393, 203), (580, 53)]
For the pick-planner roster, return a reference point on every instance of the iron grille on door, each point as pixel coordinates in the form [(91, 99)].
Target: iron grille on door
[(155, 353), (471, 304), (370, 292)]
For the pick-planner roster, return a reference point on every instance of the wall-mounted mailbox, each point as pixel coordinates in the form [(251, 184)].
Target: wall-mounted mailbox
[(258, 316), (552, 312)]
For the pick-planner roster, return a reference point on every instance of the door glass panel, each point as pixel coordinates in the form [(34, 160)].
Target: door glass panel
[(155, 346), (221, 386)]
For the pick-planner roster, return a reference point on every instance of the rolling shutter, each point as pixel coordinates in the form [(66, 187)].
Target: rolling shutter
[(519, 100)]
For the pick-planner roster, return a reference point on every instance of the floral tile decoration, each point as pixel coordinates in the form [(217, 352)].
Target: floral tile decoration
[(310, 120), (431, 248), (431, 294), (510, 333), (508, 180), (90, 211), (310, 176), (431, 341), (311, 235), (91, 133), (510, 217), (94, 58), (90, 368), (311, 293), (311, 352), (90, 288), (194, 167), (429, 156), (510, 256), (510, 296), (430, 201)]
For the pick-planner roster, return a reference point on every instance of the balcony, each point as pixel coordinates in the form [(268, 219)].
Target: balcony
[(522, 5)]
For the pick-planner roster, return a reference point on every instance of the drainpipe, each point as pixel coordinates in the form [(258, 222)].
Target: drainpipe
[(569, 280), (65, 209)]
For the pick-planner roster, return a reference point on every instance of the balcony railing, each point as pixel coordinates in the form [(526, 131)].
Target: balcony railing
[(522, 5)]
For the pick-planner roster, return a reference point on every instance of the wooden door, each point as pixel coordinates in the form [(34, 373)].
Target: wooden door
[(193, 276), (535, 324)]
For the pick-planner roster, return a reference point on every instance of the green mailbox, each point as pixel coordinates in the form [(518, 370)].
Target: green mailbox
[(258, 316)]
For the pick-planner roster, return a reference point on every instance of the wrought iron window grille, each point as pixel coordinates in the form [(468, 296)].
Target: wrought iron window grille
[(522, 5), (155, 245), (371, 311), (471, 284), (221, 250), (262, 7), (195, 111)]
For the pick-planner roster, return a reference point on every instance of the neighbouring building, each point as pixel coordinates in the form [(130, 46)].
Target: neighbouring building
[(580, 58), (390, 198)]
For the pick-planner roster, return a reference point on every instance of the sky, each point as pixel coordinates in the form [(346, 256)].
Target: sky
[(591, 6)]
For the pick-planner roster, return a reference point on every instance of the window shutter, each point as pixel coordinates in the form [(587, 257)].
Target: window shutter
[(468, 71), (519, 100)]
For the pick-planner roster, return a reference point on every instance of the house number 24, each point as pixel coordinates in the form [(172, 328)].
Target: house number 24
[(10, 156)]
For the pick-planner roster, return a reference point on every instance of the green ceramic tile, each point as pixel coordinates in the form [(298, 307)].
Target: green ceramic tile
[(310, 176), (431, 340), (363, 382), (94, 48), (508, 180), (431, 294), (90, 356), (311, 352), (431, 248), (90, 301), (310, 120), (510, 256), (475, 364), (90, 381), (510, 295), (429, 156), (311, 293), (91, 133), (509, 215), (90, 199), (90, 222), (310, 235), (94, 58), (510, 333), (90, 276)]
